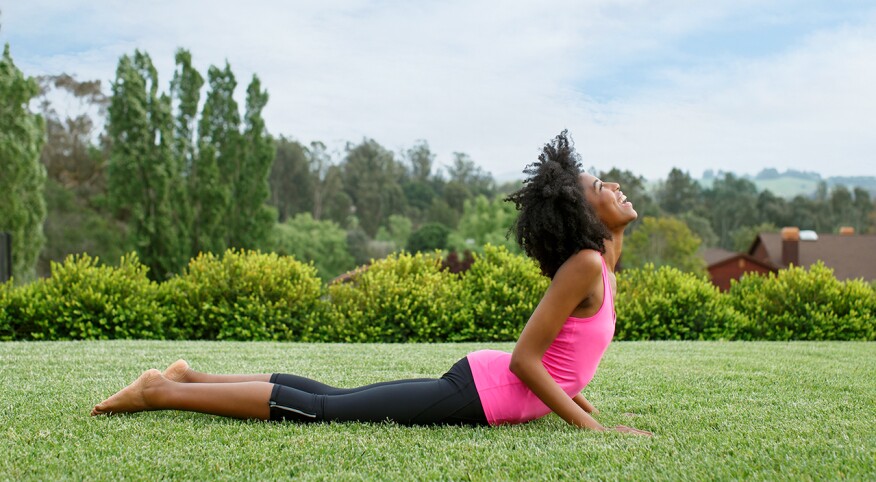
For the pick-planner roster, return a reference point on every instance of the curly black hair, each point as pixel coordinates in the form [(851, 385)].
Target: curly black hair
[(555, 219)]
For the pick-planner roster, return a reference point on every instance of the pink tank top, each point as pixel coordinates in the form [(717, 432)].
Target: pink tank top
[(571, 360)]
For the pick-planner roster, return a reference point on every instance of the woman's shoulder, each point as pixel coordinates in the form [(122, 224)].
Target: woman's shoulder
[(587, 262)]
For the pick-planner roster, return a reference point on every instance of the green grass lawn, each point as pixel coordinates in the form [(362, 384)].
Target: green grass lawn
[(718, 411)]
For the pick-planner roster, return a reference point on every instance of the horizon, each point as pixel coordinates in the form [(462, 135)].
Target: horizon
[(644, 87)]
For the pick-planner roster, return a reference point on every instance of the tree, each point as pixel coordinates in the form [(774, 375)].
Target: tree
[(466, 173), (663, 241), (863, 207), (23, 180), (701, 227), (731, 203), (69, 154), (292, 191), (78, 217), (215, 164), (142, 166), (679, 193), (185, 93), (253, 219), (773, 209), (485, 222), (429, 237), (397, 231), (745, 235), (322, 242), (371, 179)]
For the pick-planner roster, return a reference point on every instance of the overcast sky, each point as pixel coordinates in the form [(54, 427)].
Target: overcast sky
[(736, 85)]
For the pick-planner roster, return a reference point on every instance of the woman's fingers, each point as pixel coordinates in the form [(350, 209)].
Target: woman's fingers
[(635, 431)]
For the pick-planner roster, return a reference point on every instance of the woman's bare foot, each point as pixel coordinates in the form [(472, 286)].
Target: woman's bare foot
[(131, 398), (178, 371)]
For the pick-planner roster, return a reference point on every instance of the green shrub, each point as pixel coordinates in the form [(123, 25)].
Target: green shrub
[(6, 332), (403, 297), (500, 290), (667, 304), (800, 304), (83, 300), (244, 295)]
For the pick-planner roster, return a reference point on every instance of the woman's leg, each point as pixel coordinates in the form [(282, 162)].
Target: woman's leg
[(452, 399), (152, 391), (180, 371)]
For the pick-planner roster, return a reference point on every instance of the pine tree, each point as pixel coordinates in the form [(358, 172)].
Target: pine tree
[(218, 162), (142, 165), (22, 207), (253, 217)]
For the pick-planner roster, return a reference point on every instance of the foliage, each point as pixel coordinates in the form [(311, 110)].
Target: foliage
[(485, 222), (142, 166), (679, 193), (370, 178), (801, 304), (251, 219), (397, 231), (500, 290), (429, 237), (83, 300), (322, 243), (663, 241), (730, 204), (744, 236), (404, 297), (73, 226), (244, 295), (668, 304), (23, 176)]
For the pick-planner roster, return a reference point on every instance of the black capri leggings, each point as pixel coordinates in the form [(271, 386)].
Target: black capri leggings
[(451, 399)]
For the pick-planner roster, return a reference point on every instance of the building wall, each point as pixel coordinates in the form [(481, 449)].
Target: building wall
[(733, 268)]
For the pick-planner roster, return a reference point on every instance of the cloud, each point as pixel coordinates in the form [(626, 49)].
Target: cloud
[(810, 108), (498, 79)]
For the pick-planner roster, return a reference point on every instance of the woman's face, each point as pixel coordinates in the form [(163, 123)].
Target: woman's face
[(608, 200)]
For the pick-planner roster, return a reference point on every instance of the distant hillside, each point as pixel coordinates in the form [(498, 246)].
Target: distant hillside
[(792, 183)]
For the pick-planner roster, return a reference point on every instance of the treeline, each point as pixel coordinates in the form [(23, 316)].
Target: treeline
[(181, 169), (679, 216)]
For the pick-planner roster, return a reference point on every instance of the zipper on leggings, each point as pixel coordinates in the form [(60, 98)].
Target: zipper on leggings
[(299, 412)]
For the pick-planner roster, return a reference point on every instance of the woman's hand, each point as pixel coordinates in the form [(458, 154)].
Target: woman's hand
[(635, 431)]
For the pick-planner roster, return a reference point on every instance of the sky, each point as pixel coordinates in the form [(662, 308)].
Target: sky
[(733, 85)]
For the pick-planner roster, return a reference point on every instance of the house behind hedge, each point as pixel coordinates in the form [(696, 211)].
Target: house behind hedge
[(850, 255)]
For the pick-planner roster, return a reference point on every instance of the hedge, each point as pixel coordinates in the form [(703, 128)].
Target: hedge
[(403, 297), (246, 295), (800, 304), (668, 304)]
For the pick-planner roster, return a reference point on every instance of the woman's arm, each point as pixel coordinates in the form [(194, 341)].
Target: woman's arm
[(583, 403), (575, 281)]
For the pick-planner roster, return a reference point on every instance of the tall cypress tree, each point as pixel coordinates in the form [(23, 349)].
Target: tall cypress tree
[(142, 165), (254, 218), (22, 207), (218, 162), (186, 93)]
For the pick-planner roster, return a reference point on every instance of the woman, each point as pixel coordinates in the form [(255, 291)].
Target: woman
[(572, 224)]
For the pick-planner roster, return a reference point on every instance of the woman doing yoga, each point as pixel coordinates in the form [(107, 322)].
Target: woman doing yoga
[(572, 224)]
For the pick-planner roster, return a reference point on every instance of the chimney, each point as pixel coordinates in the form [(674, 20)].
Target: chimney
[(847, 231), (790, 246)]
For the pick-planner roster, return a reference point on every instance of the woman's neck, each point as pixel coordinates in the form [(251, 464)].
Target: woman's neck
[(613, 248)]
